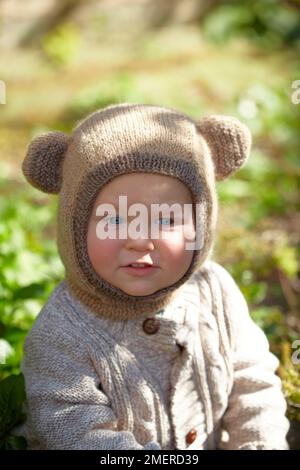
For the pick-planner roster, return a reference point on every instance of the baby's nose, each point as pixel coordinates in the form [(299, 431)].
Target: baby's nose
[(140, 243)]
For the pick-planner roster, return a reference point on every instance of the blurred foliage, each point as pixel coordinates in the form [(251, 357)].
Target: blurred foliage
[(259, 224), (270, 24), (29, 266), (99, 96), (12, 397), (61, 45), (289, 372)]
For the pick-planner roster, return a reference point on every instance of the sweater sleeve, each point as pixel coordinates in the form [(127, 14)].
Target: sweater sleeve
[(66, 408), (255, 416)]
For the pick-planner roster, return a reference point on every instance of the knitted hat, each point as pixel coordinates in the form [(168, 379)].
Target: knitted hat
[(128, 138)]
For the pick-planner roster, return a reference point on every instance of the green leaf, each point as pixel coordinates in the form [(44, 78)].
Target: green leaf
[(13, 443), (12, 396), (32, 291)]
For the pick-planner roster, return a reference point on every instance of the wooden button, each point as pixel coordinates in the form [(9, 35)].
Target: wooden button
[(191, 436), (151, 326)]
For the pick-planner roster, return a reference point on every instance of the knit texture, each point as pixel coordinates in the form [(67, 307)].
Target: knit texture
[(94, 383), (132, 138)]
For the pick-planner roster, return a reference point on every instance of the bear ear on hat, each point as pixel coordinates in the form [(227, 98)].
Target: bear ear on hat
[(42, 164), (229, 142)]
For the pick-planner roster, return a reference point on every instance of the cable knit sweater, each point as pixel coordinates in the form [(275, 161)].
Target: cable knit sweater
[(203, 379)]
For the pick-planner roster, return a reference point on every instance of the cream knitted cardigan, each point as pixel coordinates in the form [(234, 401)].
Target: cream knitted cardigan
[(93, 383)]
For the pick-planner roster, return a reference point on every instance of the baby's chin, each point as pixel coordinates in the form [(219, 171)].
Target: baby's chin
[(140, 291)]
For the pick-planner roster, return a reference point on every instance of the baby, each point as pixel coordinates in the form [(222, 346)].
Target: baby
[(147, 343)]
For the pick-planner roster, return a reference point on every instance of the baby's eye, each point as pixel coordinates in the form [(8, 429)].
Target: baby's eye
[(165, 221), (116, 220)]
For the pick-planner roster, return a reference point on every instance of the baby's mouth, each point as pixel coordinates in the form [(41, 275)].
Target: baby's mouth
[(140, 265), (139, 268)]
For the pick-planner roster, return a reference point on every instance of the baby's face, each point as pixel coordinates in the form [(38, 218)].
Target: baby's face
[(166, 253)]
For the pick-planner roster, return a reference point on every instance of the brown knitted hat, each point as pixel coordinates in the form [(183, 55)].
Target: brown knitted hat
[(128, 138)]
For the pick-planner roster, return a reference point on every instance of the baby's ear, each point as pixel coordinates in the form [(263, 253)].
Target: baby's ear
[(229, 141), (43, 161)]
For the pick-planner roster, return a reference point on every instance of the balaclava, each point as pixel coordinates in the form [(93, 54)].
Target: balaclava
[(128, 138)]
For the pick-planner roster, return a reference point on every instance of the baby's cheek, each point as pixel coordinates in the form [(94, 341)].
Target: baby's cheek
[(99, 251), (175, 249), (109, 250), (173, 244)]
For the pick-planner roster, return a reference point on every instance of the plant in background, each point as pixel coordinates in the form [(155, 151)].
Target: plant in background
[(61, 45), (290, 376), (269, 24), (12, 398), (30, 267)]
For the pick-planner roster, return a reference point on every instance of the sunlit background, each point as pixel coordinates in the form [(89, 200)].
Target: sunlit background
[(62, 59)]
